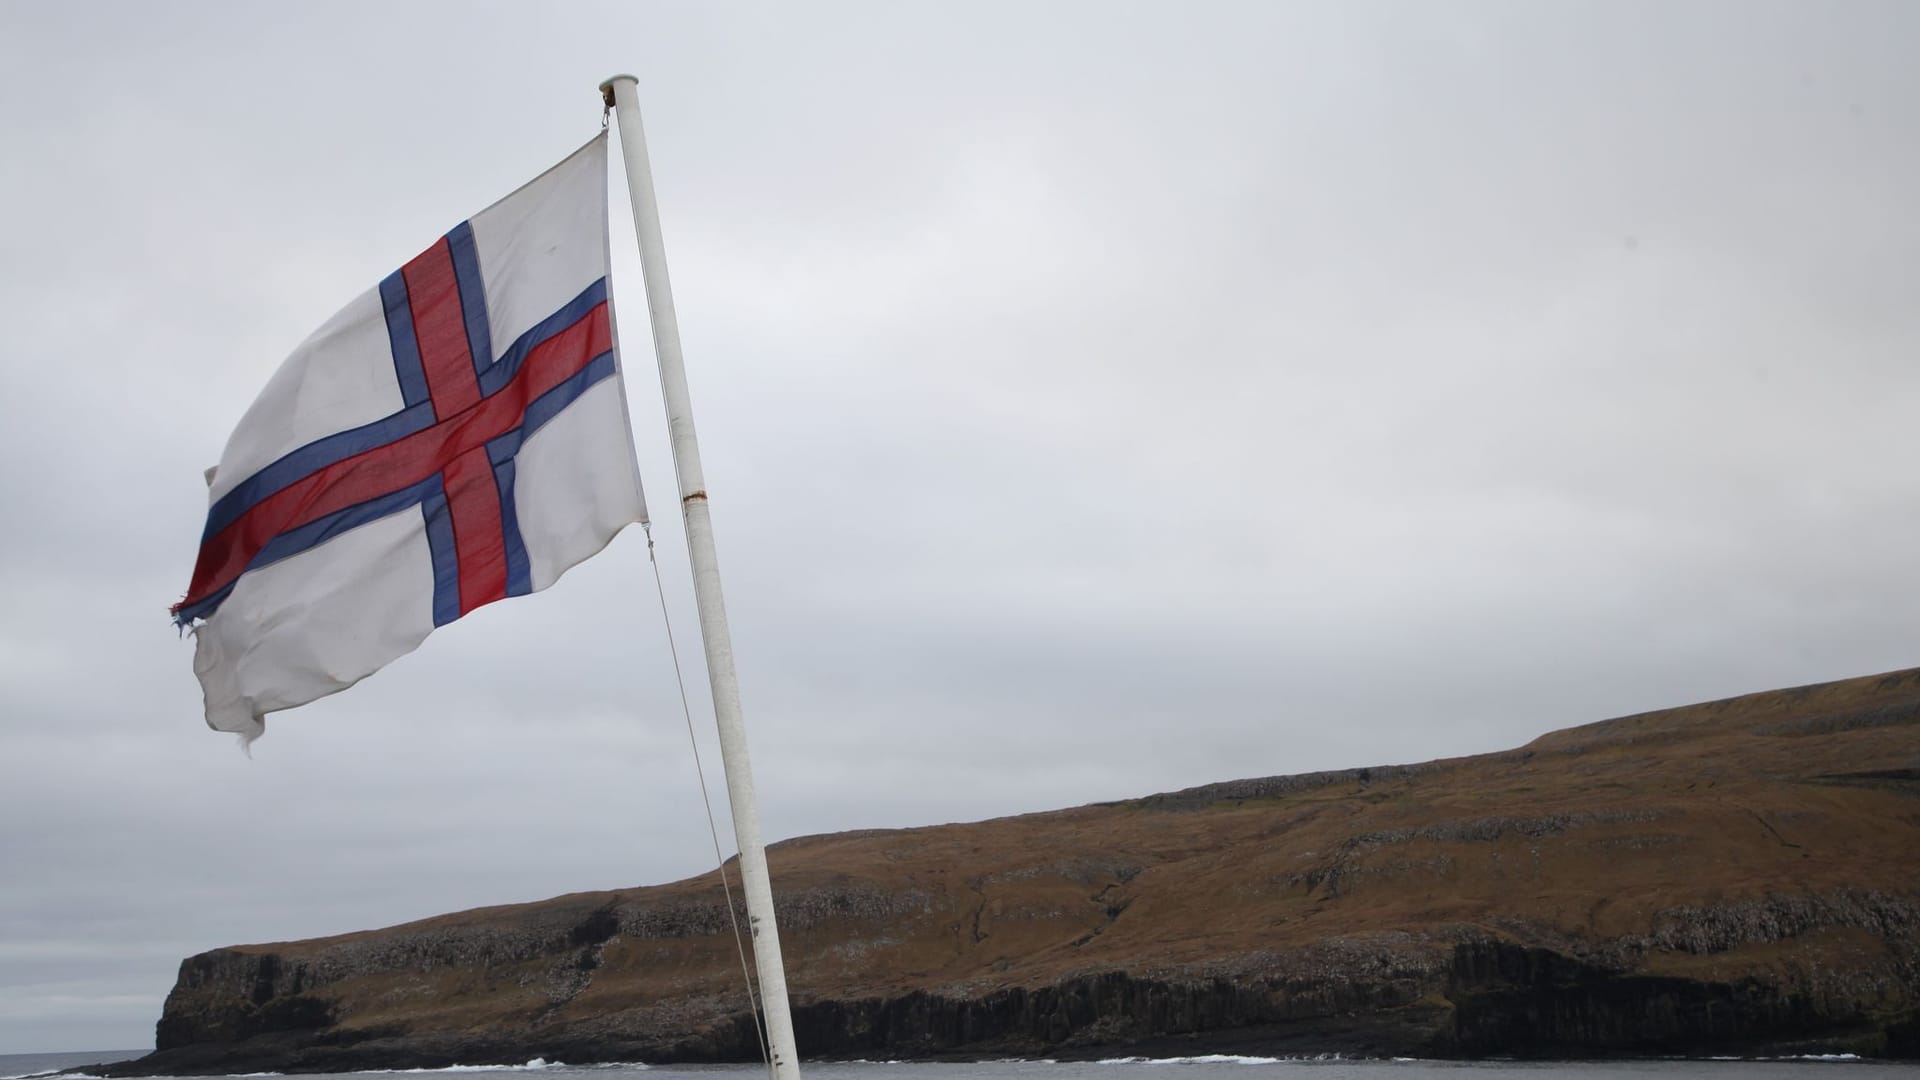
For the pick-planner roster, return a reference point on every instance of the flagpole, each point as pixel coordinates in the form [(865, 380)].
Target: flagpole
[(621, 92)]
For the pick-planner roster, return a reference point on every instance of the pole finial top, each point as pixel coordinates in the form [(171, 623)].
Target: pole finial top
[(606, 87)]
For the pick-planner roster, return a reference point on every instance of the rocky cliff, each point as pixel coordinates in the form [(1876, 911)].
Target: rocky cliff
[(1736, 877)]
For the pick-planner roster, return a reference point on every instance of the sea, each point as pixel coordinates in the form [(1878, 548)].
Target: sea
[(1207, 1067)]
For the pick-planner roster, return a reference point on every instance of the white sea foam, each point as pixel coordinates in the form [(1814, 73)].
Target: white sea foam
[(534, 1064), (1783, 1057), (1218, 1059)]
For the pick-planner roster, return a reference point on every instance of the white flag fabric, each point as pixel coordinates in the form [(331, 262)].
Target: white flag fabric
[(456, 435)]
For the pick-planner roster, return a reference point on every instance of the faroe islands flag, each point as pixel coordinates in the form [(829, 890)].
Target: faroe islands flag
[(456, 435)]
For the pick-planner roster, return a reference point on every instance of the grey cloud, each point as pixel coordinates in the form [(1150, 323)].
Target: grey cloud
[(1097, 399)]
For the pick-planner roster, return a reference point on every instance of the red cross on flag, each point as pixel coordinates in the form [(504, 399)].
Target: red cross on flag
[(456, 435)]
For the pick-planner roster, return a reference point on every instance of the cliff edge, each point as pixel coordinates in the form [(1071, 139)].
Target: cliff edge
[(1736, 877)]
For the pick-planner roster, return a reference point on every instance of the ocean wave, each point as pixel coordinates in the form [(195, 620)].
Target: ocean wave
[(1218, 1059), (1781, 1057), (534, 1064)]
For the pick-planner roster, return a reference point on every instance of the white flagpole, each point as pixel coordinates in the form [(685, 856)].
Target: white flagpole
[(622, 92)]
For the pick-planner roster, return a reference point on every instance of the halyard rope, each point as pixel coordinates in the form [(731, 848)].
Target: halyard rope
[(713, 829)]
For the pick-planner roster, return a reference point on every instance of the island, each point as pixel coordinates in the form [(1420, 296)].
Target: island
[(1738, 877)]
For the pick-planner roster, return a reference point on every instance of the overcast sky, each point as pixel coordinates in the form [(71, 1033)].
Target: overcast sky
[(1097, 400)]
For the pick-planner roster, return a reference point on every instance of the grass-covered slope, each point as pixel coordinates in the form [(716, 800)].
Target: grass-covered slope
[(1739, 876)]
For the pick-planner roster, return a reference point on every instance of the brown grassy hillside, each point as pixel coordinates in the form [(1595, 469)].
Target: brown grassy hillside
[(1742, 875)]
